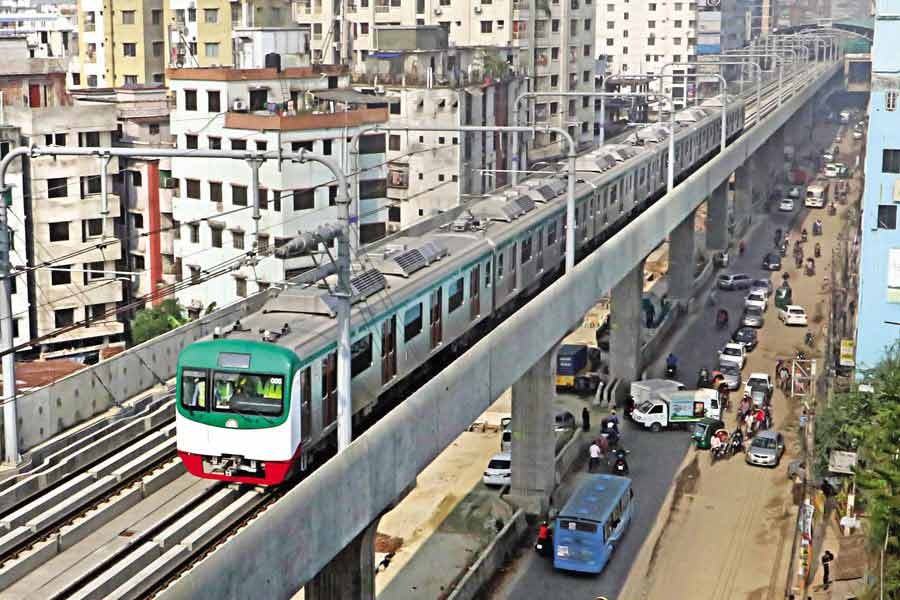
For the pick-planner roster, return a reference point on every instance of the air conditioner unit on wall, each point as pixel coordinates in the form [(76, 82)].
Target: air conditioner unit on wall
[(393, 227), (239, 106), (438, 11), (477, 10)]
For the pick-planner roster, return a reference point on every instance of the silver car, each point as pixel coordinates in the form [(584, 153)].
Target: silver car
[(766, 449), (753, 317), (761, 285), (732, 375)]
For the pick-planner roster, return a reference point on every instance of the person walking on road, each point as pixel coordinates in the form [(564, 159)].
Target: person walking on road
[(585, 419), (826, 566), (595, 453)]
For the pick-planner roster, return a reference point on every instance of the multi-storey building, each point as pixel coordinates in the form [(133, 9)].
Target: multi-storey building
[(879, 264), (211, 35), (550, 41), (309, 108), (120, 42), (144, 186), (49, 29), (430, 84), (64, 215)]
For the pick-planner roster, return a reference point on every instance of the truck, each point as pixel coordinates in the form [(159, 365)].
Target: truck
[(571, 360), (817, 194), (678, 408), (649, 389)]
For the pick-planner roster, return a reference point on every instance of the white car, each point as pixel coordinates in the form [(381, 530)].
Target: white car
[(733, 353), (758, 381), (828, 156), (756, 299), (795, 192), (762, 285), (786, 205), (499, 470), (793, 314), (831, 170), (857, 135)]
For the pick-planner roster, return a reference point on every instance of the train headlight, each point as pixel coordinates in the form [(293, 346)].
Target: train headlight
[(231, 423)]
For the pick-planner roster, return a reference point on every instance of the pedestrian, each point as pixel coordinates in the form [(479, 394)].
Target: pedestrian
[(594, 456), (826, 565), (585, 419), (604, 445), (748, 423)]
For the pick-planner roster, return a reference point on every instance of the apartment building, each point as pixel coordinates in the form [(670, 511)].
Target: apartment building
[(144, 186), (550, 41), (640, 38), (211, 35), (879, 262), (295, 108), (120, 42), (429, 84), (48, 29)]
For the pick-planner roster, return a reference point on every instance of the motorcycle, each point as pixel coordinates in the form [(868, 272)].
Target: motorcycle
[(803, 236), (721, 452), (671, 371), (544, 544), (809, 338), (619, 464), (817, 228), (784, 249), (832, 209), (810, 267), (777, 237), (817, 251), (736, 445), (722, 319)]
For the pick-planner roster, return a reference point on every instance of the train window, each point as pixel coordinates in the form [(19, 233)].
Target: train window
[(193, 389), (551, 233), (500, 265), (360, 355), (487, 274), (613, 193), (512, 258), (412, 322), (526, 250), (248, 393), (455, 294)]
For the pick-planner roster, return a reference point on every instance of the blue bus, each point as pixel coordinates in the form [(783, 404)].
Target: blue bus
[(591, 523)]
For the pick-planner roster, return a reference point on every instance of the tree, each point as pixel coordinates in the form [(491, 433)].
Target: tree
[(869, 423), (156, 320)]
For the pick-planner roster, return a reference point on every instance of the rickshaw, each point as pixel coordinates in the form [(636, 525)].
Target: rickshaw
[(703, 431), (783, 296)]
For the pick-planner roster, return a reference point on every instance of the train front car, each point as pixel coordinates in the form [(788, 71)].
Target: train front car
[(234, 416)]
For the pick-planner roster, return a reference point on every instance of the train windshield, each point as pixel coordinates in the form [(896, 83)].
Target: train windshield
[(193, 388), (248, 393)]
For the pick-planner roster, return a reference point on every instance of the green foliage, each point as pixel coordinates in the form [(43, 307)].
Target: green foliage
[(869, 423), (156, 320), (494, 66)]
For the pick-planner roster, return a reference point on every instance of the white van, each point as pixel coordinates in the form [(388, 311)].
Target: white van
[(816, 195)]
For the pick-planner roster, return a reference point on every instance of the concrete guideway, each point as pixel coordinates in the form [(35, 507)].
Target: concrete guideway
[(736, 520), (312, 522)]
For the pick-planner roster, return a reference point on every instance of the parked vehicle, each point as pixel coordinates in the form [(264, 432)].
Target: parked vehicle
[(703, 431), (753, 317), (734, 281), (591, 523), (757, 299), (733, 353), (761, 382), (746, 336), (499, 470), (730, 375), (762, 285), (793, 314), (831, 170), (678, 408), (649, 389), (766, 449), (817, 194), (571, 360), (783, 296), (771, 262)]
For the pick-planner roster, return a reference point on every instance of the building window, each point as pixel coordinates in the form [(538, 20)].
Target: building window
[(890, 161), (92, 81), (57, 187), (238, 144), (127, 17), (158, 77), (258, 99), (304, 199), (215, 143), (153, 129), (215, 191), (211, 49), (158, 48), (64, 317), (586, 51), (190, 141), (262, 243), (487, 26), (131, 80), (194, 233), (129, 49), (97, 312), (156, 16), (137, 220), (192, 15), (890, 100), (240, 287), (237, 240), (89, 139), (554, 25), (93, 228), (190, 99), (59, 232), (211, 15), (192, 188), (887, 216), (651, 6), (261, 145), (326, 147), (239, 195), (76, 79), (213, 102), (90, 184), (216, 236)]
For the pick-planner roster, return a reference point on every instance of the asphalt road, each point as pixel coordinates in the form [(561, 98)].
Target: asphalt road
[(654, 458)]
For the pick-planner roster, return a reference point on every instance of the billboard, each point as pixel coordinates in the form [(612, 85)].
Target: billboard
[(848, 353), (709, 48)]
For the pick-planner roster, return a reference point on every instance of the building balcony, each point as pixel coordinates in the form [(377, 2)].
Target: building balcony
[(305, 121)]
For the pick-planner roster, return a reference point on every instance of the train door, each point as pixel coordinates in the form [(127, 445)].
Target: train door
[(305, 404), (474, 292), (388, 349), (540, 250), (436, 315), (329, 389), (513, 271)]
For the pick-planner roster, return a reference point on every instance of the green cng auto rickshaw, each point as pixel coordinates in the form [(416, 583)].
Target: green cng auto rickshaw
[(704, 430), (783, 297)]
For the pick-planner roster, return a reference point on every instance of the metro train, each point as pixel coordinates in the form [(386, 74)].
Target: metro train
[(255, 404)]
